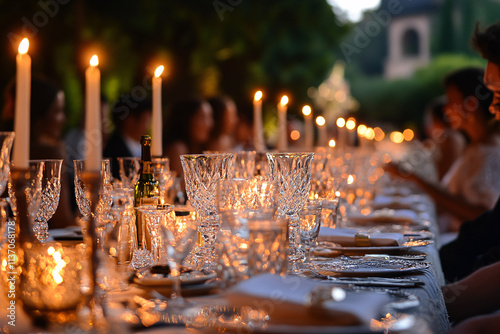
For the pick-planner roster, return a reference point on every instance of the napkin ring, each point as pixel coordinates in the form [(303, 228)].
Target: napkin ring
[(362, 240)]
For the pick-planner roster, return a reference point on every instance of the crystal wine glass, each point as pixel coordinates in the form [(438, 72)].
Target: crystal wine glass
[(129, 171), (161, 170), (292, 172), (202, 172), (82, 193), (51, 191)]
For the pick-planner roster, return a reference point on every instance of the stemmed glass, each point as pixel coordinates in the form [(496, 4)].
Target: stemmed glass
[(6, 140), (51, 190), (292, 172), (202, 173), (129, 171), (161, 171), (179, 237), (82, 192)]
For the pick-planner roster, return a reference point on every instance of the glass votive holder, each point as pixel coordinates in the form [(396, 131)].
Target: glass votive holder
[(51, 280), (268, 246)]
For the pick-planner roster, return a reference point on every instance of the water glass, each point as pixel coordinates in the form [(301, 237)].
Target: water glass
[(268, 246), (309, 225)]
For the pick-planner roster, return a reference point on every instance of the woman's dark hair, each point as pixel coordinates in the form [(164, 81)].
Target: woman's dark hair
[(487, 42), (469, 81), (219, 106), (177, 125)]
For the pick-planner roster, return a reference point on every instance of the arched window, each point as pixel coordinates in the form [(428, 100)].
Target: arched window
[(411, 43)]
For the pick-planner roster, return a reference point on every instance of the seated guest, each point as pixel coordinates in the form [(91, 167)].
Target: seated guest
[(469, 187), (447, 144), (187, 130), (475, 301), (131, 120), (225, 114), (477, 243)]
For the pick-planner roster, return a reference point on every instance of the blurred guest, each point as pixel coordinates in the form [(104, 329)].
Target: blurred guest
[(244, 132), (187, 130), (131, 120), (225, 115), (47, 119), (470, 186), (447, 144)]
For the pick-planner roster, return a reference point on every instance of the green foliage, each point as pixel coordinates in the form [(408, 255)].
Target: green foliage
[(208, 47), (403, 101)]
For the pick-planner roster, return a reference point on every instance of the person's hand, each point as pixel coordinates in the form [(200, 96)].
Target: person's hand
[(398, 170)]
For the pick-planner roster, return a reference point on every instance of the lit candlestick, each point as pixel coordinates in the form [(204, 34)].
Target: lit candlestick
[(361, 135), (93, 135), (282, 125), (341, 139), (258, 130), (320, 122), (22, 108), (156, 126), (351, 134), (308, 127)]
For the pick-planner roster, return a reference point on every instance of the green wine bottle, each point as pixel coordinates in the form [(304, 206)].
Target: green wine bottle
[(147, 191)]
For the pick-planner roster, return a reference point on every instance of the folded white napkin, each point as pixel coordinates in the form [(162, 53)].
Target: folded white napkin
[(287, 301), (347, 237), (385, 216)]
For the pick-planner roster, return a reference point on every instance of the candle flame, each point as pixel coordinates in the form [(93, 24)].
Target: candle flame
[(362, 130), (94, 61), (159, 70), (284, 100), (408, 134), (24, 46), (332, 143), (350, 179), (295, 135), (306, 110), (397, 137), (350, 124), (340, 122), (258, 95), (369, 134), (379, 134), (320, 120)]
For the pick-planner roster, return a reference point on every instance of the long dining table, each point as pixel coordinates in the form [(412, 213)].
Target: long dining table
[(283, 304)]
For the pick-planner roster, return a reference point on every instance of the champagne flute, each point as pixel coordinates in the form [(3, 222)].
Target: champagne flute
[(51, 191)]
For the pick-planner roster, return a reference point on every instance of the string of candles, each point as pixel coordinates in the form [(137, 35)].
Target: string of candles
[(346, 130)]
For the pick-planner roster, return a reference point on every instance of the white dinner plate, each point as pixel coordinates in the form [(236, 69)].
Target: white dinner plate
[(368, 268), (159, 280), (372, 249)]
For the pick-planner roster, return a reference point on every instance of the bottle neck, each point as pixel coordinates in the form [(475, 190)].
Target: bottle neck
[(146, 160)]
